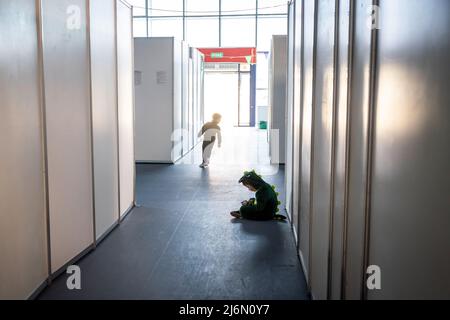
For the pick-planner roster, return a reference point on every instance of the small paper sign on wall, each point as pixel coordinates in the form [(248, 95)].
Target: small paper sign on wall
[(161, 77), (137, 78)]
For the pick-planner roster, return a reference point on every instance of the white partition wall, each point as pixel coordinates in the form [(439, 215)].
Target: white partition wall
[(359, 131), (185, 96), (277, 98), (62, 96), (195, 98), (155, 99), (191, 76), (307, 75), (322, 156), (125, 89), (23, 232), (68, 125), (296, 119), (290, 111), (198, 106), (178, 82), (409, 219), (104, 113)]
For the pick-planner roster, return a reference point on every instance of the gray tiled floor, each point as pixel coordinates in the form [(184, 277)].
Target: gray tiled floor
[(182, 244)]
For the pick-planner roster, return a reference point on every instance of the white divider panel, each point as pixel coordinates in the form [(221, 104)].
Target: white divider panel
[(342, 70), (323, 126), (23, 241), (410, 221), (191, 100), (126, 105), (154, 99), (297, 118), (196, 110), (277, 97), (66, 71), (198, 118), (177, 142), (289, 111), (185, 96), (359, 124), (104, 110), (307, 76)]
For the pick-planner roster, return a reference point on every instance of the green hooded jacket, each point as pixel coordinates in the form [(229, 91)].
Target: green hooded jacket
[(265, 206)]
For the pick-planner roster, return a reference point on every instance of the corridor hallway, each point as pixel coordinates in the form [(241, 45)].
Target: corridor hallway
[(181, 243)]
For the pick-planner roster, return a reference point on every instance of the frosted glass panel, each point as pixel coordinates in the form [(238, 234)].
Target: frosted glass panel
[(272, 7), (202, 7), (165, 8), (139, 27), (238, 32), (238, 7), (138, 7), (166, 27), (202, 32), (268, 26)]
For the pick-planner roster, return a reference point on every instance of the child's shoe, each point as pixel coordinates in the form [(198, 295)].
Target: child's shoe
[(236, 214)]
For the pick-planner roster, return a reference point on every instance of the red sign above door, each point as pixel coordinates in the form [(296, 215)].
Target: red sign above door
[(229, 55)]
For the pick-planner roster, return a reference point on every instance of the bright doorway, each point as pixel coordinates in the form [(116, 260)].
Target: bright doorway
[(227, 90)]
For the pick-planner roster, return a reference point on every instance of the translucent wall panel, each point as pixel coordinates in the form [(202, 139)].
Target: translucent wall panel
[(201, 7), (165, 8), (166, 27), (138, 7), (198, 87), (262, 85), (267, 27), (125, 88), (139, 27), (67, 97), (238, 7), (243, 26), (272, 6), (104, 111), (202, 32), (23, 233)]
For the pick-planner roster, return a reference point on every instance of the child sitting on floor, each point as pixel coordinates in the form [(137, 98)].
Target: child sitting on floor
[(262, 208)]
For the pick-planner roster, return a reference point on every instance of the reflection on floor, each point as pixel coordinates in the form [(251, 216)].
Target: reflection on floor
[(182, 244)]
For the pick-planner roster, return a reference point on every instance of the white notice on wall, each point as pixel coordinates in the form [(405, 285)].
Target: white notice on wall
[(161, 77), (137, 78)]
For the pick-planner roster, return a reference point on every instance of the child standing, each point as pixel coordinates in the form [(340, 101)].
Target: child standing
[(209, 132)]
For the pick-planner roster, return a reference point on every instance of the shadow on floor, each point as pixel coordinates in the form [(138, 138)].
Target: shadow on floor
[(183, 244)]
